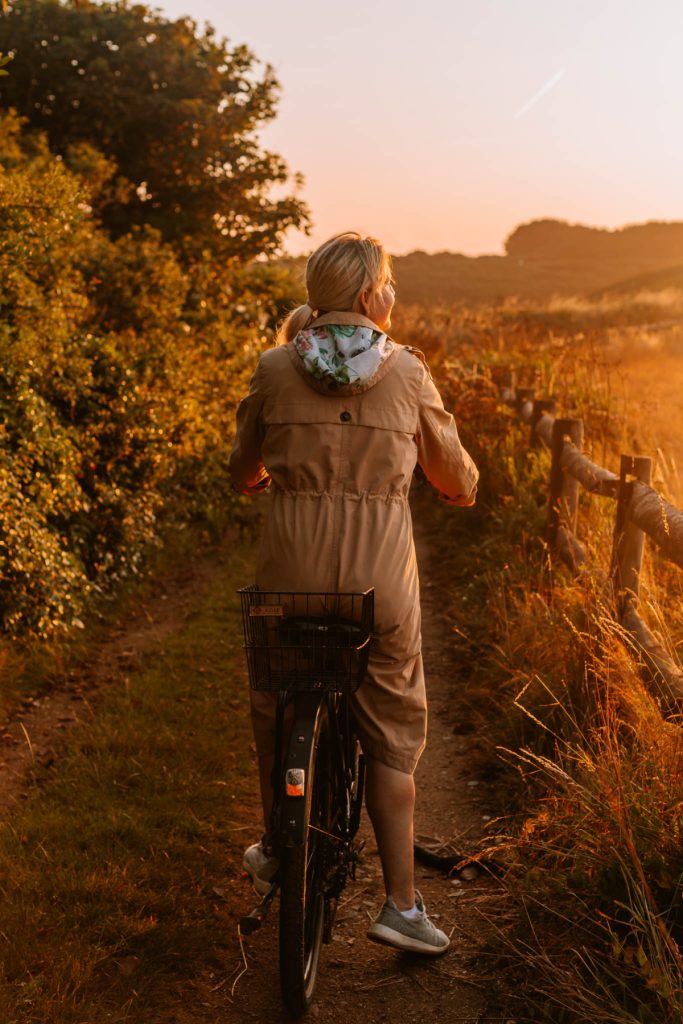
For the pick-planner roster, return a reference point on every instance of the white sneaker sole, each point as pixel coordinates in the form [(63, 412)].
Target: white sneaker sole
[(261, 885), (390, 937)]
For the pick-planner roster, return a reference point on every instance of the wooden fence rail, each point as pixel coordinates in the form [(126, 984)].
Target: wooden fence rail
[(640, 512)]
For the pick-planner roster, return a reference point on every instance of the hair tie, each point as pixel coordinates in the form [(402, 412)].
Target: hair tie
[(311, 314)]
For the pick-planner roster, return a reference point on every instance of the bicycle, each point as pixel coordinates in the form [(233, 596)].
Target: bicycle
[(312, 649)]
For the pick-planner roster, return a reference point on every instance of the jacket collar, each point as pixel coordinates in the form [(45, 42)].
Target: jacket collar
[(341, 390), (342, 317), (338, 317)]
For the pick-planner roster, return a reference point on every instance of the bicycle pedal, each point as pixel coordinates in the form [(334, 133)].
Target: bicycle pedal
[(252, 922), (249, 924)]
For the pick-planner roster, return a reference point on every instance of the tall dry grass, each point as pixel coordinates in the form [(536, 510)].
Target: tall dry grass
[(617, 361), (588, 772), (597, 858)]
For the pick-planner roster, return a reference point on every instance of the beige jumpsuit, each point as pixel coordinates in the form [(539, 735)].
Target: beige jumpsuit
[(340, 466)]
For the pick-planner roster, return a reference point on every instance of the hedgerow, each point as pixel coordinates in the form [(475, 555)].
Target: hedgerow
[(119, 373)]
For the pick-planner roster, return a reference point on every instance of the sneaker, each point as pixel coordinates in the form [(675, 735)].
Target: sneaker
[(260, 867), (414, 935)]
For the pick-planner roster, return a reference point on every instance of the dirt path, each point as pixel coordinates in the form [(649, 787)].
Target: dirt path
[(359, 979)]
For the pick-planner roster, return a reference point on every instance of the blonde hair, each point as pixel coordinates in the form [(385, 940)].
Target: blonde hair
[(336, 273)]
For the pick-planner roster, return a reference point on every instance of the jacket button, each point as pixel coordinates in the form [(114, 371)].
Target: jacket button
[(345, 416)]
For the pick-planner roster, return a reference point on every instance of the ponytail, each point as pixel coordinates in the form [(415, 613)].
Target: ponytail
[(295, 321)]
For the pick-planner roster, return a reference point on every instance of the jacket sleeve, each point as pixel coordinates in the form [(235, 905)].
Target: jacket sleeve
[(441, 455), (246, 469)]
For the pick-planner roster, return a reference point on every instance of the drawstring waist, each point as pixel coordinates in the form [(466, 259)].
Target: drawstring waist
[(394, 497)]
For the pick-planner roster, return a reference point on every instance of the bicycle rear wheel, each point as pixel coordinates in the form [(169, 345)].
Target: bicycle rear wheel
[(302, 878)]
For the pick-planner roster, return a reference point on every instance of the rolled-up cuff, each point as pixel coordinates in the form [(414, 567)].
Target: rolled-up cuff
[(258, 488), (378, 752), (462, 500)]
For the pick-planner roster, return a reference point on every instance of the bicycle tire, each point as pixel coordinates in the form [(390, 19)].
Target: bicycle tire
[(358, 790), (302, 867)]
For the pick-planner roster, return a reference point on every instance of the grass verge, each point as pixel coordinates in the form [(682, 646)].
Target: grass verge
[(116, 869)]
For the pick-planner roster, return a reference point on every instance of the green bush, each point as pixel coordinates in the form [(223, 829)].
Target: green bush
[(119, 374)]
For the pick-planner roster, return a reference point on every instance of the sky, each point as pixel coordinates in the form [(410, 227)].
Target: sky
[(443, 124)]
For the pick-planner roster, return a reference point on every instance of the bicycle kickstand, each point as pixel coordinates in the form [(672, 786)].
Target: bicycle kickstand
[(355, 857)]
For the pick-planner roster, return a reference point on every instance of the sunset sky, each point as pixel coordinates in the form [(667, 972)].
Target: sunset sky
[(443, 124)]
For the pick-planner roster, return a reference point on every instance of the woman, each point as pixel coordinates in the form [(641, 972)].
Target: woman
[(335, 420)]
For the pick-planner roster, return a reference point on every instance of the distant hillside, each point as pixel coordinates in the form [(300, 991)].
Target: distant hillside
[(655, 281), (547, 257), (659, 241)]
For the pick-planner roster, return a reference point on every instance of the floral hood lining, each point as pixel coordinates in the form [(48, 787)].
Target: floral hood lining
[(342, 355)]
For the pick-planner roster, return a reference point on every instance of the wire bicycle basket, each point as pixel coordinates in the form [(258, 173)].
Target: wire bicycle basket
[(306, 641)]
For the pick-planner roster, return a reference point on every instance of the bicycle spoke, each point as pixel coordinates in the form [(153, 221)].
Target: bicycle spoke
[(314, 828)]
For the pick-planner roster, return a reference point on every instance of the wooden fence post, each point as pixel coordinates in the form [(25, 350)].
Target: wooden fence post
[(563, 501), (629, 539), (540, 406), (524, 397)]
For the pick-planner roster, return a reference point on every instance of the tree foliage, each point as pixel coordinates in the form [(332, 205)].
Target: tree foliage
[(134, 197), (653, 245), (174, 110), (119, 373)]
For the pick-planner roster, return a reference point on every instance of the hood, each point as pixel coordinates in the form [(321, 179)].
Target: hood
[(343, 355)]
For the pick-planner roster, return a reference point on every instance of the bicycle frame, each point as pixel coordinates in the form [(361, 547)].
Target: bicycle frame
[(312, 650)]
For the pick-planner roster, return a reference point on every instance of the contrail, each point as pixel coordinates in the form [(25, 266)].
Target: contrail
[(541, 92)]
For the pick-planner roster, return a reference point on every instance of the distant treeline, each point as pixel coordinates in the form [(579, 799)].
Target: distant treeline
[(134, 198), (546, 257)]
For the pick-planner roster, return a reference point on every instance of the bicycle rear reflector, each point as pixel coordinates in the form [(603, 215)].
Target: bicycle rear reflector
[(258, 610), (296, 781)]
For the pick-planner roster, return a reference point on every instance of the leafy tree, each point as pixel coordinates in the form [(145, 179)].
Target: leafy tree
[(133, 199), (176, 111), (119, 373), (652, 244)]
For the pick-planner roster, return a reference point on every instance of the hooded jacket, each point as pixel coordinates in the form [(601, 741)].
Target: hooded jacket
[(333, 425)]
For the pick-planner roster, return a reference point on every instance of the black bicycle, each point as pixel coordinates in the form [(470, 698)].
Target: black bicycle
[(312, 650)]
